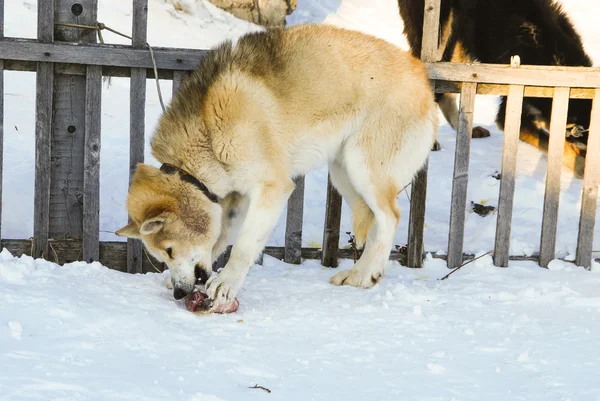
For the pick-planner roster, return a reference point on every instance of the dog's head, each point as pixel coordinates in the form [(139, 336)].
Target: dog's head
[(177, 223)]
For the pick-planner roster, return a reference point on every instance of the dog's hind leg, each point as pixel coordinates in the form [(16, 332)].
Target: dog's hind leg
[(375, 218)]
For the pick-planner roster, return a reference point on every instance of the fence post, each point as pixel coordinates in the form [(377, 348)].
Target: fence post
[(293, 226), (556, 146), (331, 228), (512, 127), (461, 174), (137, 105), (43, 131), (68, 136), (1, 111), (589, 196), (429, 54)]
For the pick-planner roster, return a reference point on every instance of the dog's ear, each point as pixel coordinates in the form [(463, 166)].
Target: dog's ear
[(155, 224), (130, 230)]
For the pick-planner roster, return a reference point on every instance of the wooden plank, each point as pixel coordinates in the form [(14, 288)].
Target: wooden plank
[(416, 222), (100, 54), (68, 126), (91, 178), (579, 77), (331, 229), (461, 175), (560, 105), (179, 78), (509, 165), (589, 197), (293, 227), (114, 254), (431, 28), (502, 90), (137, 106), (1, 111), (43, 133)]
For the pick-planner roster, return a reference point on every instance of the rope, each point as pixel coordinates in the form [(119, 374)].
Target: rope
[(100, 27)]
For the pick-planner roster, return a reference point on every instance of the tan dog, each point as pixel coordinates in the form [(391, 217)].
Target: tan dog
[(256, 114)]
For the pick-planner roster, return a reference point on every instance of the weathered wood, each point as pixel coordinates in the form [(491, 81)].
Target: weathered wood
[(579, 77), (431, 26), (509, 165), (114, 254), (502, 90), (179, 78), (331, 229), (1, 111), (461, 175), (68, 127), (137, 106), (589, 197), (91, 177), (100, 54), (43, 133), (293, 227), (560, 105), (416, 222)]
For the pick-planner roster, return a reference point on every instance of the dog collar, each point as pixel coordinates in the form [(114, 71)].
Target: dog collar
[(187, 177)]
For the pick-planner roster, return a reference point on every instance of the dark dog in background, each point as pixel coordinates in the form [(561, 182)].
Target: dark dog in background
[(491, 31)]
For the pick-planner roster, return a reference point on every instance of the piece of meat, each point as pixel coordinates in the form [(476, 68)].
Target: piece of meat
[(198, 302)]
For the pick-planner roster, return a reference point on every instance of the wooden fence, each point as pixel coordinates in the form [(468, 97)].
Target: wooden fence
[(69, 67)]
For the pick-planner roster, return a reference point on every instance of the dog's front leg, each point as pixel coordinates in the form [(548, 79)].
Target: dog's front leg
[(265, 207), (234, 211)]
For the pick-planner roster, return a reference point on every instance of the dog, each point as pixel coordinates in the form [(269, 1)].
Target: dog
[(258, 113), (491, 31)]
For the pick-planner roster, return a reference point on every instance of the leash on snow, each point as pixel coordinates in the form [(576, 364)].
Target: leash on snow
[(99, 27)]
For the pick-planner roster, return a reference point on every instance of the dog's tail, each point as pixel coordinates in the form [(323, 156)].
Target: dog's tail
[(362, 222)]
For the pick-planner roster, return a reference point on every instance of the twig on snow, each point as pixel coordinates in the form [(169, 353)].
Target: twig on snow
[(261, 388), (466, 263)]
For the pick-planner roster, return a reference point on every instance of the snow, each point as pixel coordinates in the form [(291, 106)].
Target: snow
[(84, 332)]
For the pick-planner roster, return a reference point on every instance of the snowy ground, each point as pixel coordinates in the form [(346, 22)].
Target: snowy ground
[(84, 332)]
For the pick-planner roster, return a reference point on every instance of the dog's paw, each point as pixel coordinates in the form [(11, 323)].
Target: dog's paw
[(436, 146), (169, 283), (223, 287), (357, 278), (480, 132)]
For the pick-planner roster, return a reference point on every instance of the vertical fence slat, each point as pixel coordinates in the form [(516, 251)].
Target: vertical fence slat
[(331, 229), (512, 127), (461, 174), (68, 125), (416, 225), (1, 111), (293, 227), (43, 133), (91, 176), (589, 198), (178, 78), (137, 106), (431, 23), (560, 104), (416, 222)]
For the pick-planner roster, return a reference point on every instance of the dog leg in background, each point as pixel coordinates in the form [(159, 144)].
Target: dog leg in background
[(265, 206), (377, 221), (235, 207), (449, 108)]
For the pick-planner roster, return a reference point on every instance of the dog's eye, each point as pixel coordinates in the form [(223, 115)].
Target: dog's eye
[(169, 252)]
